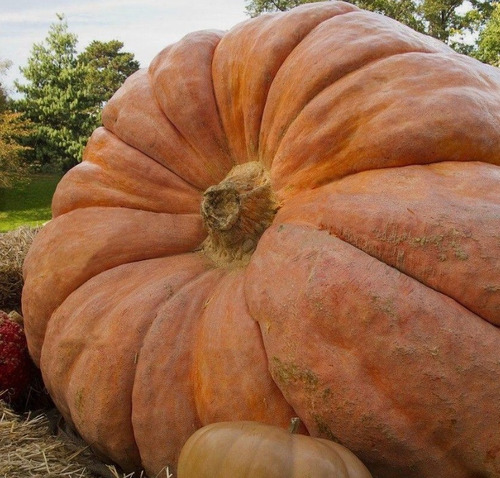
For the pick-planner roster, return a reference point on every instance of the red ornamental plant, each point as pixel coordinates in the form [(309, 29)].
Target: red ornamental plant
[(297, 217), (16, 367)]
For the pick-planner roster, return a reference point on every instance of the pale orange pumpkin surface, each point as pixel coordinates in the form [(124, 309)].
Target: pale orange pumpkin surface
[(251, 449), (368, 305)]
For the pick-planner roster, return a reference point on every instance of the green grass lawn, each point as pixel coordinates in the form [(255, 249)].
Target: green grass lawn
[(27, 204)]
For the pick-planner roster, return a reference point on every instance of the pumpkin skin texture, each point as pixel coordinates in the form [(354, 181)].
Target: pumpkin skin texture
[(297, 217), (250, 449)]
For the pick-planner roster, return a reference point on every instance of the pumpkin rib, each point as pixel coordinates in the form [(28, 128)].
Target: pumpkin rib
[(320, 46), (135, 104), (241, 90), (406, 416), (76, 348), (199, 437), (261, 445), (351, 461), (354, 301), (114, 174), (418, 225), (101, 418), (265, 401), (185, 93), (230, 341), (409, 276), (358, 133), (105, 238), (323, 448), (170, 405), (339, 80), (192, 182)]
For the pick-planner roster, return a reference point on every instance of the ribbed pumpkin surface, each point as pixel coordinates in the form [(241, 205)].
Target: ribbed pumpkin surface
[(370, 305)]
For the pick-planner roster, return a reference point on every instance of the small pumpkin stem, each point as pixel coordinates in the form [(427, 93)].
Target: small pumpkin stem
[(294, 425), (236, 212)]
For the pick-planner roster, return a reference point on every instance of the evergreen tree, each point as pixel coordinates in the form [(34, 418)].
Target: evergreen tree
[(108, 67), (65, 91)]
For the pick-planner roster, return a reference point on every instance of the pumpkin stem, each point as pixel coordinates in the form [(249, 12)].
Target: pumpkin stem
[(236, 212), (294, 425)]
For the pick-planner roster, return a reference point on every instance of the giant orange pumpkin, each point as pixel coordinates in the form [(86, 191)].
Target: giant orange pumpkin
[(298, 217)]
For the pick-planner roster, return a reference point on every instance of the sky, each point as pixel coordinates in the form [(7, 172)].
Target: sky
[(144, 26)]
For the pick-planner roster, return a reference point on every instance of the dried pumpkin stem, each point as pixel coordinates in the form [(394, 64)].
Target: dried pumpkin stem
[(236, 212)]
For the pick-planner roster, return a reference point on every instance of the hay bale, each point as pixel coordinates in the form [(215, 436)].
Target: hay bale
[(14, 246), (29, 449)]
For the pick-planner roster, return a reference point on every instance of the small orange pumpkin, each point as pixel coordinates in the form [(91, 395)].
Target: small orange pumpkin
[(256, 450)]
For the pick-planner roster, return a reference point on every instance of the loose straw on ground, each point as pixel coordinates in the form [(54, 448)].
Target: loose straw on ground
[(28, 449)]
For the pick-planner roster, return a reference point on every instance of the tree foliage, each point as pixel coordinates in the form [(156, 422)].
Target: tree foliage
[(107, 68), (14, 129), (451, 21), (404, 11), (4, 66), (64, 92), (489, 40), (255, 7)]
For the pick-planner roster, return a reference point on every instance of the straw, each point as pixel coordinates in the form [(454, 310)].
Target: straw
[(29, 449)]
